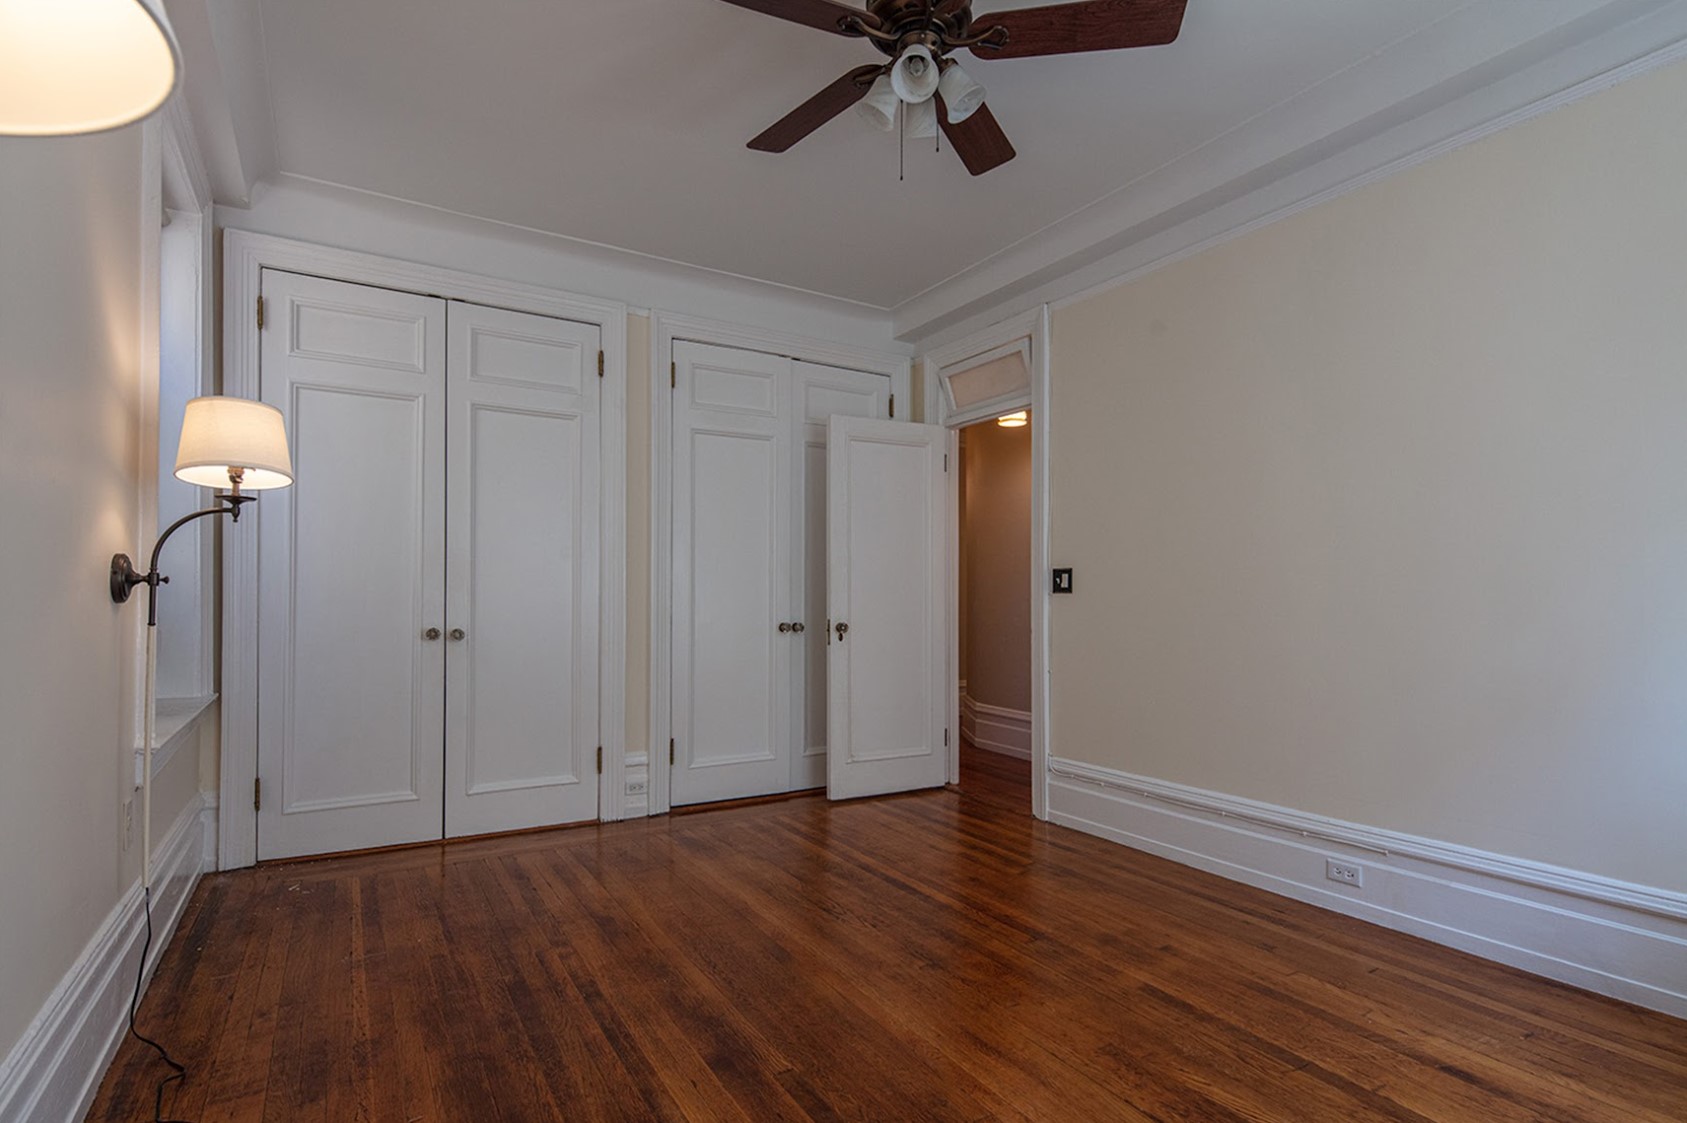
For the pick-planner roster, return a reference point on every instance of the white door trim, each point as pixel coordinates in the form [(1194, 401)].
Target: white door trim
[(1034, 327), (245, 256), (665, 328)]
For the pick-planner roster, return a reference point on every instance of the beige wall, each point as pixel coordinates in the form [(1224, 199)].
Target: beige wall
[(1380, 512), (70, 475), (995, 593)]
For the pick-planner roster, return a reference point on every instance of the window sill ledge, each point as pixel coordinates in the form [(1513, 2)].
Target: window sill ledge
[(175, 722)]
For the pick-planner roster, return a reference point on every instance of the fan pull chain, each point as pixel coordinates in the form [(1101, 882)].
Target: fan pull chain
[(902, 143)]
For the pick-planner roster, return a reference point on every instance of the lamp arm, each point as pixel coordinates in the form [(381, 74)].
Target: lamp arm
[(233, 508), (124, 576)]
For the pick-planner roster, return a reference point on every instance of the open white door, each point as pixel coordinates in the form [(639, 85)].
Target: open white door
[(887, 659)]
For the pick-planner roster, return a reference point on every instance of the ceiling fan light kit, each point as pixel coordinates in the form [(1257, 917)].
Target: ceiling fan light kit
[(918, 37)]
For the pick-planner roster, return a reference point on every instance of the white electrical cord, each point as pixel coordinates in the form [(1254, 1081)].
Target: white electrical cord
[(149, 723)]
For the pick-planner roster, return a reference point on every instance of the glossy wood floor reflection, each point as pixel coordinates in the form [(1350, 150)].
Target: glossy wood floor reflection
[(939, 956)]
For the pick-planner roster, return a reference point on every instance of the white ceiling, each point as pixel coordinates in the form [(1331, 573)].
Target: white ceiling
[(623, 122)]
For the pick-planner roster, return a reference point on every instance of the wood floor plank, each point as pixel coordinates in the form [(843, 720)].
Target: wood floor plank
[(939, 956)]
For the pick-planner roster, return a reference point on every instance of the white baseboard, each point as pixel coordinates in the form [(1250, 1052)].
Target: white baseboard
[(1613, 937), (208, 831), (54, 1070), (996, 728)]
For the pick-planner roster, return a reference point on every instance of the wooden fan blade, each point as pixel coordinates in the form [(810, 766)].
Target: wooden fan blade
[(817, 110), (827, 15), (978, 141), (1092, 25)]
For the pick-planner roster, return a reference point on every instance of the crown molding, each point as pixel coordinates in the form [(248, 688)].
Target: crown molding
[(187, 181)]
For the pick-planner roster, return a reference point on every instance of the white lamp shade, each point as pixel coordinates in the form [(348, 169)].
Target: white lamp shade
[(878, 108), (915, 76), (1014, 420), (220, 434), (82, 66), (922, 118), (961, 95)]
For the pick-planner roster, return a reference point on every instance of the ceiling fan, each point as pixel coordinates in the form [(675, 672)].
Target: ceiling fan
[(918, 36)]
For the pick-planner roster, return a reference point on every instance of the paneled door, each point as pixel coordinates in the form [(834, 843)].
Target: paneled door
[(887, 560), (733, 554), (351, 714), (522, 583), (822, 392), (749, 540), (429, 609)]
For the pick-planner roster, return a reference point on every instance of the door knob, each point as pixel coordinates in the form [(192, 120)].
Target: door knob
[(842, 628), (797, 627), (431, 633), (783, 627), (458, 633)]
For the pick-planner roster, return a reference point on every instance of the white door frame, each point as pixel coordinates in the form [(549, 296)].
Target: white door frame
[(245, 256), (1031, 326), (665, 329)]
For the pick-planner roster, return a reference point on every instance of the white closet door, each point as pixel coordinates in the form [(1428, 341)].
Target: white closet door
[(522, 582), (887, 549), (822, 392), (351, 718), (733, 551)]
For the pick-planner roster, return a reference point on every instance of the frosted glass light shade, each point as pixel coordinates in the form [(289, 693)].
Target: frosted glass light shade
[(922, 118), (1014, 420), (915, 76), (878, 108), (961, 95), (219, 434), (82, 66)]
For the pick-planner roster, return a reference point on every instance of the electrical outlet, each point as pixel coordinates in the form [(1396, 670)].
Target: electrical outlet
[(1345, 872), (637, 787), (128, 823)]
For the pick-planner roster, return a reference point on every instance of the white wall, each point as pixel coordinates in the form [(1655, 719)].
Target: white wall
[(72, 467), (1380, 512)]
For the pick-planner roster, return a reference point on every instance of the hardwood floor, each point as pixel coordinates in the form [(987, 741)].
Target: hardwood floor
[(939, 956)]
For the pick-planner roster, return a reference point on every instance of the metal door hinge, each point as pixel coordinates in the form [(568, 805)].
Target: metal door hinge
[(673, 375), (946, 462), (257, 794), (893, 407), (945, 738), (260, 313), (670, 752), (600, 364), (600, 760)]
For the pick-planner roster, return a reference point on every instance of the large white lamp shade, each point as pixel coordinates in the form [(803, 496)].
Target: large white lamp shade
[(223, 436), (82, 66)]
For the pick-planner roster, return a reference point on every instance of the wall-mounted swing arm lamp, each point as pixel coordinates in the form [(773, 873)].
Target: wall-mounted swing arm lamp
[(226, 442)]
